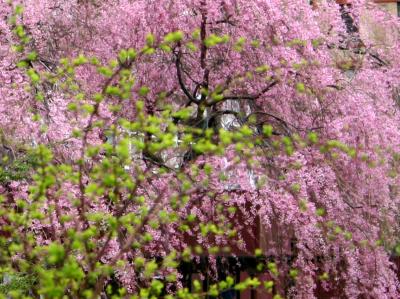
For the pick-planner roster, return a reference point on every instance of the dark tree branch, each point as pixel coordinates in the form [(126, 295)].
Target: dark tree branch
[(245, 97), (380, 61), (180, 79)]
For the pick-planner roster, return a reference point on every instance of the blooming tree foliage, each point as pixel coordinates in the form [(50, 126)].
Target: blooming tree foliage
[(139, 134)]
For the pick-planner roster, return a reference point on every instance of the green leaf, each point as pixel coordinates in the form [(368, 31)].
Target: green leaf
[(105, 71), (150, 39), (313, 137), (174, 37), (19, 9), (32, 56), (56, 253), (300, 87), (144, 90), (267, 130)]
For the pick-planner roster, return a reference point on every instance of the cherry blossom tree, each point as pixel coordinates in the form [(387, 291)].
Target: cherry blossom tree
[(139, 134)]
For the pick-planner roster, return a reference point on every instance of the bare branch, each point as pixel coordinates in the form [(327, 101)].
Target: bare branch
[(180, 79), (245, 97)]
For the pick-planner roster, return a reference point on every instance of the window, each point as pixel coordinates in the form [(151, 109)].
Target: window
[(398, 8), (391, 6)]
